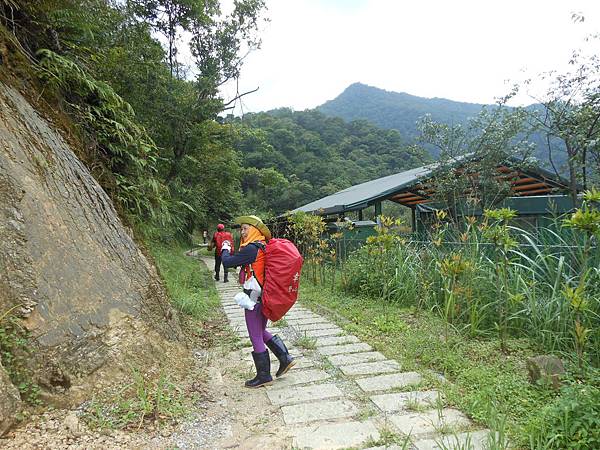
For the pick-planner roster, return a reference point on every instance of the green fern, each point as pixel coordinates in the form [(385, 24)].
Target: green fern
[(123, 146)]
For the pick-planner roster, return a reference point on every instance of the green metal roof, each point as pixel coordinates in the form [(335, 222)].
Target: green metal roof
[(365, 194)]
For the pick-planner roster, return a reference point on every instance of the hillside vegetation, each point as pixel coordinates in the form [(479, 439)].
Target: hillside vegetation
[(292, 158)]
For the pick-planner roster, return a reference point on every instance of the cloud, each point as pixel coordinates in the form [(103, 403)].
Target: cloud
[(462, 50)]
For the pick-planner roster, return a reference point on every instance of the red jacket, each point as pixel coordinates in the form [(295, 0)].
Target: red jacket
[(218, 239)]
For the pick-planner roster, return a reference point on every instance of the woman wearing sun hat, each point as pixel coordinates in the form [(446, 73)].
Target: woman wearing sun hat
[(251, 256)]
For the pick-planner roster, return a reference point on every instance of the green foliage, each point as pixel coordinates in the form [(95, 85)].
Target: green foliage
[(395, 110), (571, 421), (306, 342), (569, 117), (491, 387), (188, 282), (15, 351), (305, 148), (485, 142), (307, 233), (138, 402), (102, 59), (125, 152), (587, 218), (484, 288)]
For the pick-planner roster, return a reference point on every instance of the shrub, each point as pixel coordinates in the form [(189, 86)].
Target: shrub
[(572, 421)]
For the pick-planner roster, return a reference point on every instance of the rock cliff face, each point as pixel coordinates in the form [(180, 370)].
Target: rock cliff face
[(91, 300)]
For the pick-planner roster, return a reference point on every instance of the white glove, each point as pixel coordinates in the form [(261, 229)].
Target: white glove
[(226, 245), (244, 301)]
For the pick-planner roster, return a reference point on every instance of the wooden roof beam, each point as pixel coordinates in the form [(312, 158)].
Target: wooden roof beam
[(403, 195), (410, 199), (536, 191), (416, 202), (525, 180), (527, 187)]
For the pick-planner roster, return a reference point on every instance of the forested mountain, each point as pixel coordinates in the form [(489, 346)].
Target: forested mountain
[(396, 110), (402, 112), (292, 158)]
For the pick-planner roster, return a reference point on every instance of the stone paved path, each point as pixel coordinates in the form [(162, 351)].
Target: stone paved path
[(343, 394)]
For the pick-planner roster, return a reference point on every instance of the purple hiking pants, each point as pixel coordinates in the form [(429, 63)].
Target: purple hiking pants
[(256, 323)]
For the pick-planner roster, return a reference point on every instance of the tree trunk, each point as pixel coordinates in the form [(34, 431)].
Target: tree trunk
[(572, 153)]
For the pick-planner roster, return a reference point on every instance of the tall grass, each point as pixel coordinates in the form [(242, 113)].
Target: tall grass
[(188, 281), (458, 277)]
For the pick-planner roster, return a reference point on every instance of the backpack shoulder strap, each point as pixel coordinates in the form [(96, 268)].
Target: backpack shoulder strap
[(260, 245)]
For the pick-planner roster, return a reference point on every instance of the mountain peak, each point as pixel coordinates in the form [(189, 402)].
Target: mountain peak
[(395, 110)]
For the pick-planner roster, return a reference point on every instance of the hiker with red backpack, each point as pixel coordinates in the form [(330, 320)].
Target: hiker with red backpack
[(270, 276), (218, 238)]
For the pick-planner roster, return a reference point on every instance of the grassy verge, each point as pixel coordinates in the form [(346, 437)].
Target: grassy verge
[(188, 282), (488, 385)]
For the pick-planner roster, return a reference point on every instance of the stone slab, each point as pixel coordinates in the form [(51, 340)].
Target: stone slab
[(308, 321), (299, 377), (304, 314), (297, 354), (429, 422), (355, 358), (370, 368), (321, 410), (336, 340), (326, 332), (236, 314), (385, 382), (317, 326), (399, 400), (347, 348), (236, 317), (237, 322), (302, 363), (474, 440), (387, 447), (299, 394), (335, 435)]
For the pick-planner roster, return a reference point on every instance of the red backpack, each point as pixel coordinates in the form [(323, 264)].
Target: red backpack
[(283, 264), (220, 237)]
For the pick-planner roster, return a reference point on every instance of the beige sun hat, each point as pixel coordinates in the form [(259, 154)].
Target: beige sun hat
[(255, 221)]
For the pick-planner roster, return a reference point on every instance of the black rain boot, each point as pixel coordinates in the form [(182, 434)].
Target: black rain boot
[(216, 277), (286, 361), (263, 370), (225, 280)]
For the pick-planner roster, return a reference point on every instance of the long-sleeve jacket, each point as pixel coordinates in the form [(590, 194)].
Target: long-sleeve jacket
[(246, 255)]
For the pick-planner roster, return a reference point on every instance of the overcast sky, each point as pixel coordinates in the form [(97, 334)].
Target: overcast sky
[(463, 50)]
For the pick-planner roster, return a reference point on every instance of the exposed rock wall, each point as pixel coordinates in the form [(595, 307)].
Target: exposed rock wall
[(85, 290)]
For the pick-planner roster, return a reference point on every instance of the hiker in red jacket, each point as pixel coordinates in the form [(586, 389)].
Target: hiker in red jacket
[(218, 238)]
